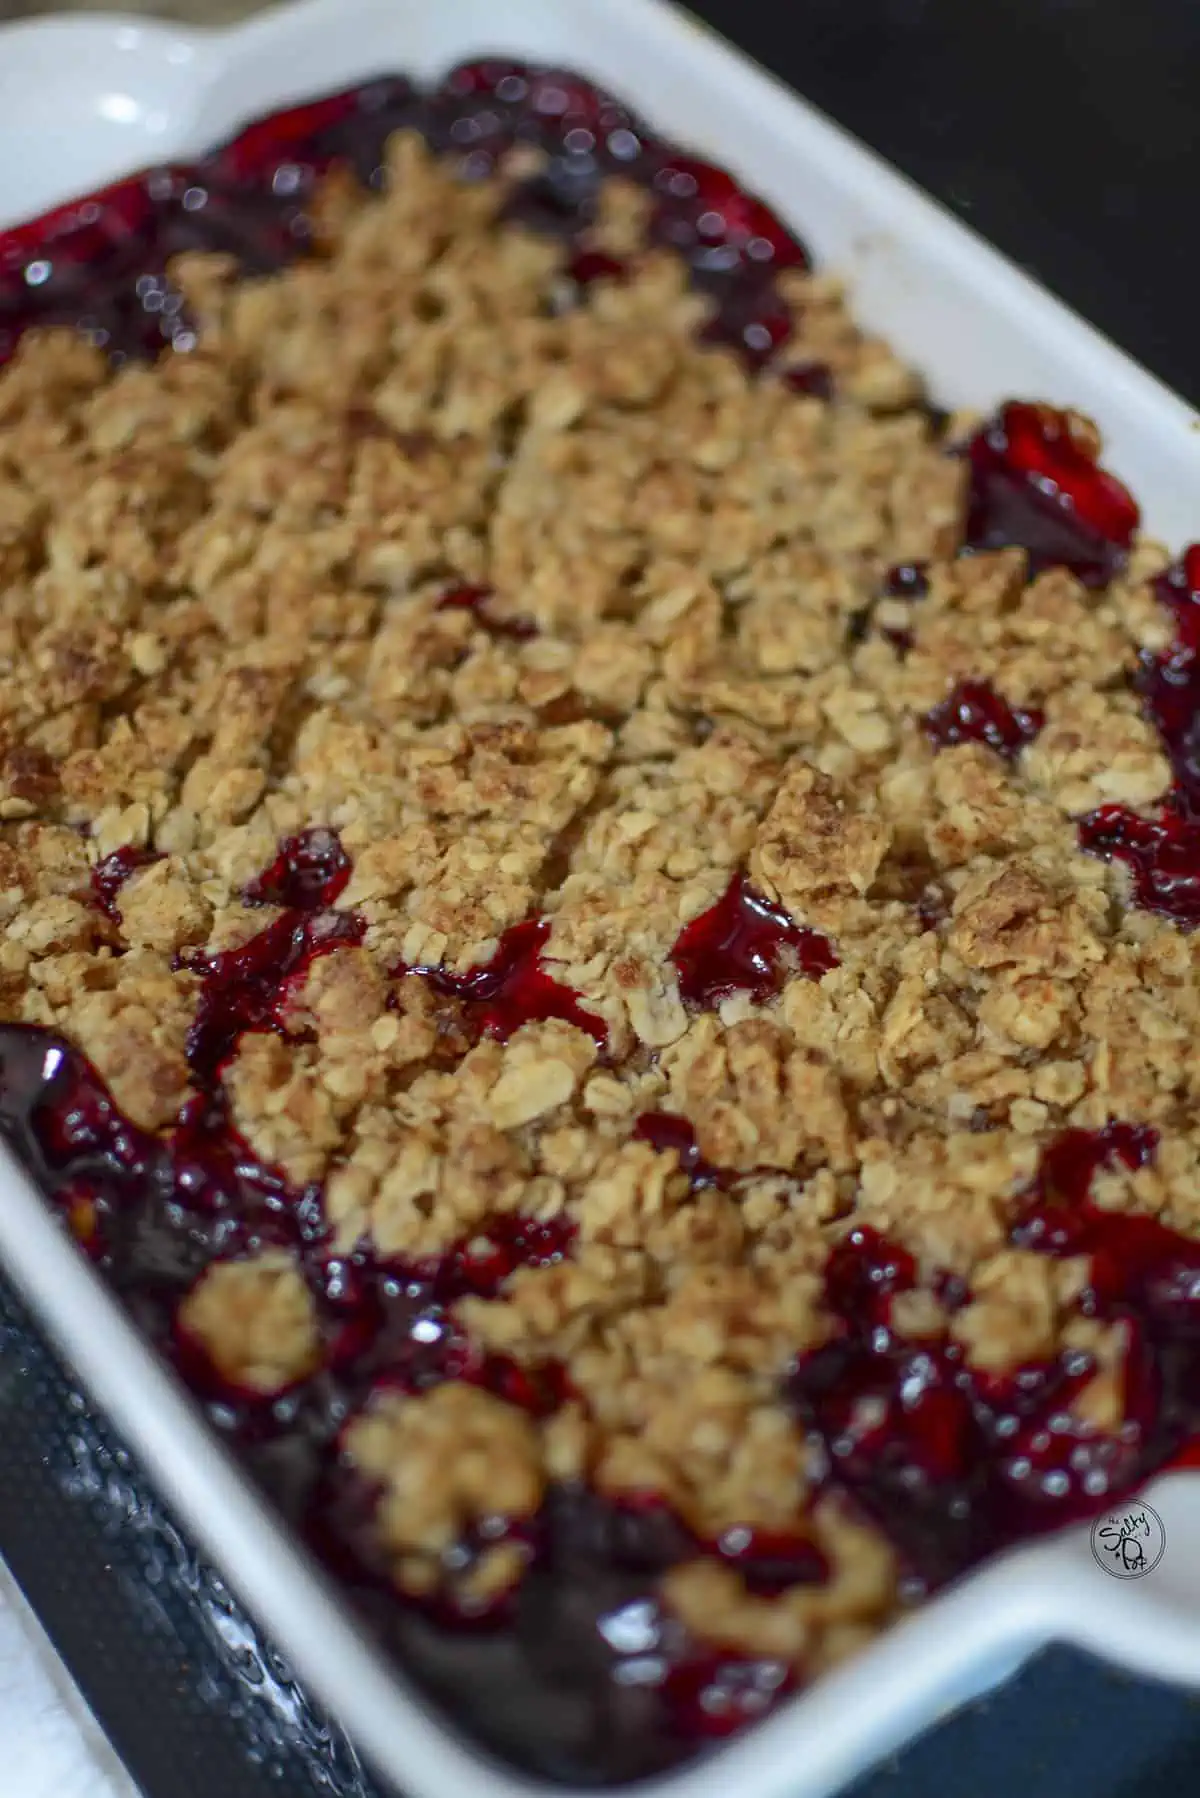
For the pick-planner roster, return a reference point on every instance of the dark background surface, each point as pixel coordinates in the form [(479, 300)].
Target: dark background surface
[(1066, 131), (1062, 130)]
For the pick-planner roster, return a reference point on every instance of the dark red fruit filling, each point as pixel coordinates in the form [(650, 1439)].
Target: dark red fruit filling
[(476, 601), (815, 379), (248, 988), (1179, 590), (975, 713), (744, 944), (754, 322), (665, 1130), (722, 232), (1036, 485), (513, 988), (308, 874), (588, 266), (906, 580), (110, 875), (479, 1267), (713, 1695), (100, 264), (481, 109), (770, 1560), (1163, 853), (734, 245), (954, 1463)]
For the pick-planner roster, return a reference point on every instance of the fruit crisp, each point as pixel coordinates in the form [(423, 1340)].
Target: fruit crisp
[(595, 900)]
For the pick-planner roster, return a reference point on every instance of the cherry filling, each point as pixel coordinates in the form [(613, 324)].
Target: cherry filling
[(100, 264), (307, 875), (954, 1463), (1036, 485), (512, 988), (975, 713), (479, 1267), (723, 233), (906, 580), (248, 988), (745, 944), (110, 875), (1162, 853)]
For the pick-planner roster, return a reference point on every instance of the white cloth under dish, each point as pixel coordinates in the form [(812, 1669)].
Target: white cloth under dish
[(50, 1745)]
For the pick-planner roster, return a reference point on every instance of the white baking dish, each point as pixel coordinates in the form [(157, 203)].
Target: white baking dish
[(85, 99)]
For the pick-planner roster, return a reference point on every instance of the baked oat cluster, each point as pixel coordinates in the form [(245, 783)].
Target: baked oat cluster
[(562, 894)]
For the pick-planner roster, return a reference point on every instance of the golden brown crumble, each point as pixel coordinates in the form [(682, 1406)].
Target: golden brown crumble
[(255, 1321), (221, 623)]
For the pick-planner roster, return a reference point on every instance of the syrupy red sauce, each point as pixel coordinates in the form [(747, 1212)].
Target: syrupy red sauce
[(954, 1463), (745, 944), (1162, 852), (248, 988), (814, 380), (906, 580), (309, 873), (1036, 485), (975, 713), (513, 988), (110, 874)]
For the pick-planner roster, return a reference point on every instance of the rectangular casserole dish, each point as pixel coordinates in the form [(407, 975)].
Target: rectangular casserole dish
[(137, 94)]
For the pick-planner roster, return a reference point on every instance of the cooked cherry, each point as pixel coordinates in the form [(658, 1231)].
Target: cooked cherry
[(477, 110), (1179, 589), (513, 988), (560, 201), (975, 713), (247, 988), (745, 944), (568, 114), (771, 1560), (479, 1267), (1036, 485), (110, 875), (906, 580), (863, 1274), (719, 229), (953, 1462), (812, 378), (308, 874), (587, 266), (751, 320), (713, 1695), (358, 135), (267, 151), (1162, 855)]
